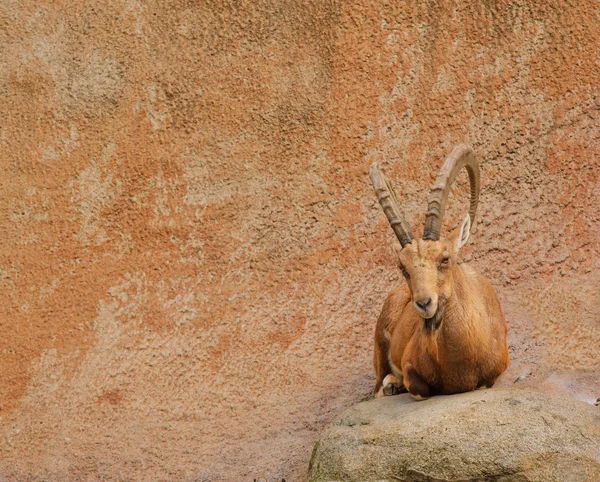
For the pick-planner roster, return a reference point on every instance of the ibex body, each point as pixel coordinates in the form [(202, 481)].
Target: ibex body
[(444, 332)]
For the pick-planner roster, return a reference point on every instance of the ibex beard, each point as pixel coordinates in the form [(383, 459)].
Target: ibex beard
[(444, 332)]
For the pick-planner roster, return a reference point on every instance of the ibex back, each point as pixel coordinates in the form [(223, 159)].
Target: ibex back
[(444, 332)]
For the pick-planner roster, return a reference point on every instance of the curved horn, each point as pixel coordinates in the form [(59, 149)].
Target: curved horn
[(461, 156), (389, 202)]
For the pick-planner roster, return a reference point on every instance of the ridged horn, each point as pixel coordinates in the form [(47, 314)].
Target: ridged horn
[(389, 202), (461, 156)]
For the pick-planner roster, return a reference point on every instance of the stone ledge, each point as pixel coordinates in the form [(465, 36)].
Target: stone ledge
[(497, 434)]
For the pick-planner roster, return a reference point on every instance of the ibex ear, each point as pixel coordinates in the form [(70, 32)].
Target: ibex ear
[(462, 234), (397, 249)]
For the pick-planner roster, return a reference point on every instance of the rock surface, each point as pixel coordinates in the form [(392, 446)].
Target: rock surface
[(508, 435)]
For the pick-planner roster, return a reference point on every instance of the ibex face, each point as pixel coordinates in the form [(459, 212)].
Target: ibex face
[(428, 267), (428, 263)]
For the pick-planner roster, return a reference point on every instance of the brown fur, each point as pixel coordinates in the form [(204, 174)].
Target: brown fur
[(462, 347)]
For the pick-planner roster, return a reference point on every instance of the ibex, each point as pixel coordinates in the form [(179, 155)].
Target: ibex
[(444, 332)]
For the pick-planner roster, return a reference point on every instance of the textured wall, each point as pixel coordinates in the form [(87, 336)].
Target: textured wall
[(192, 259)]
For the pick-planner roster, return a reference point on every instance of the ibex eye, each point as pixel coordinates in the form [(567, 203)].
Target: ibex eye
[(444, 262)]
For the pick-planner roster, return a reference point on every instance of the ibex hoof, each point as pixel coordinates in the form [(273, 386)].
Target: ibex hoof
[(392, 386), (392, 389), (486, 384)]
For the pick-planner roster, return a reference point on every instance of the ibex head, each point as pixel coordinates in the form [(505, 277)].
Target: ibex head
[(428, 264)]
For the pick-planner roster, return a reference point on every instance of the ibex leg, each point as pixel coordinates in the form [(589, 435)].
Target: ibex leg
[(416, 386)]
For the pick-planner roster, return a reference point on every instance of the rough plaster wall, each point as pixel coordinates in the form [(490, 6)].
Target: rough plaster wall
[(192, 259)]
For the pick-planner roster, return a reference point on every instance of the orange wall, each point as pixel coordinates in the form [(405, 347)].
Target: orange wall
[(192, 259)]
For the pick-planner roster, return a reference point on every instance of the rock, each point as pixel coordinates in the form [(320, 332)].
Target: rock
[(503, 435)]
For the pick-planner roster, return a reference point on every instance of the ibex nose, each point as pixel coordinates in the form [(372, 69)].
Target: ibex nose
[(423, 303)]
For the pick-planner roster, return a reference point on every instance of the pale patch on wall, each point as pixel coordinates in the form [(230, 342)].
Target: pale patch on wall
[(92, 191), (85, 82), (162, 189), (154, 105), (137, 9), (61, 146), (8, 276), (96, 82)]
